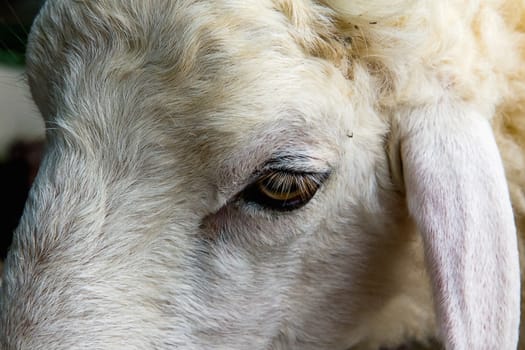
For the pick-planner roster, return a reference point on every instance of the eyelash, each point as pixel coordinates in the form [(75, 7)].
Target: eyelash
[(284, 190)]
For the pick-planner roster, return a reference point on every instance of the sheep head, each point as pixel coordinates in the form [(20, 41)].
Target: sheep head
[(257, 174)]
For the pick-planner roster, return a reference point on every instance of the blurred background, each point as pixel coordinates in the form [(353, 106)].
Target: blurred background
[(21, 128)]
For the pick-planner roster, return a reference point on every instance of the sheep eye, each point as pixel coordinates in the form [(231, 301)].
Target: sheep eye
[(284, 190)]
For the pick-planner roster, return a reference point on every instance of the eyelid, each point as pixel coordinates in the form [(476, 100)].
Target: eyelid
[(290, 163), (305, 184), (295, 163), (259, 194)]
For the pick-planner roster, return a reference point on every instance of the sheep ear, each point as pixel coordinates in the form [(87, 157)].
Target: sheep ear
[(457, 194)]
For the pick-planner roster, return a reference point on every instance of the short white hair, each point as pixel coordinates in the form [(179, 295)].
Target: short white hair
[(176, 128)]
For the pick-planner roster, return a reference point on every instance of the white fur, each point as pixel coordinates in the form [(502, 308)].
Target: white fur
[(160, 113), (457, 193)]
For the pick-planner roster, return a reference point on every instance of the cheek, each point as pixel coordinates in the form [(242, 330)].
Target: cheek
[(217, 224)]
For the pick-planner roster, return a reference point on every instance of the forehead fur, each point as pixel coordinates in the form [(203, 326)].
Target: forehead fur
[(394, 42), (186, 36)]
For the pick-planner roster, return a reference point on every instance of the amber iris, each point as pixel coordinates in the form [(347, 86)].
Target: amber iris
[(284, 190)]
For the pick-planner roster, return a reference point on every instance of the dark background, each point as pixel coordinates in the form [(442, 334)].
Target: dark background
[(18, 169)]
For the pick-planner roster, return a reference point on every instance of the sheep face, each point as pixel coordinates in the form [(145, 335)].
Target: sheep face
[(212, 179), (164, 212)]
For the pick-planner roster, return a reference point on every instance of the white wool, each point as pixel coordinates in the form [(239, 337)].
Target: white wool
[(142, 230)]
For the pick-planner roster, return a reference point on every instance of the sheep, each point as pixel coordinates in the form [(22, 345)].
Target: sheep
[(272, 174)]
